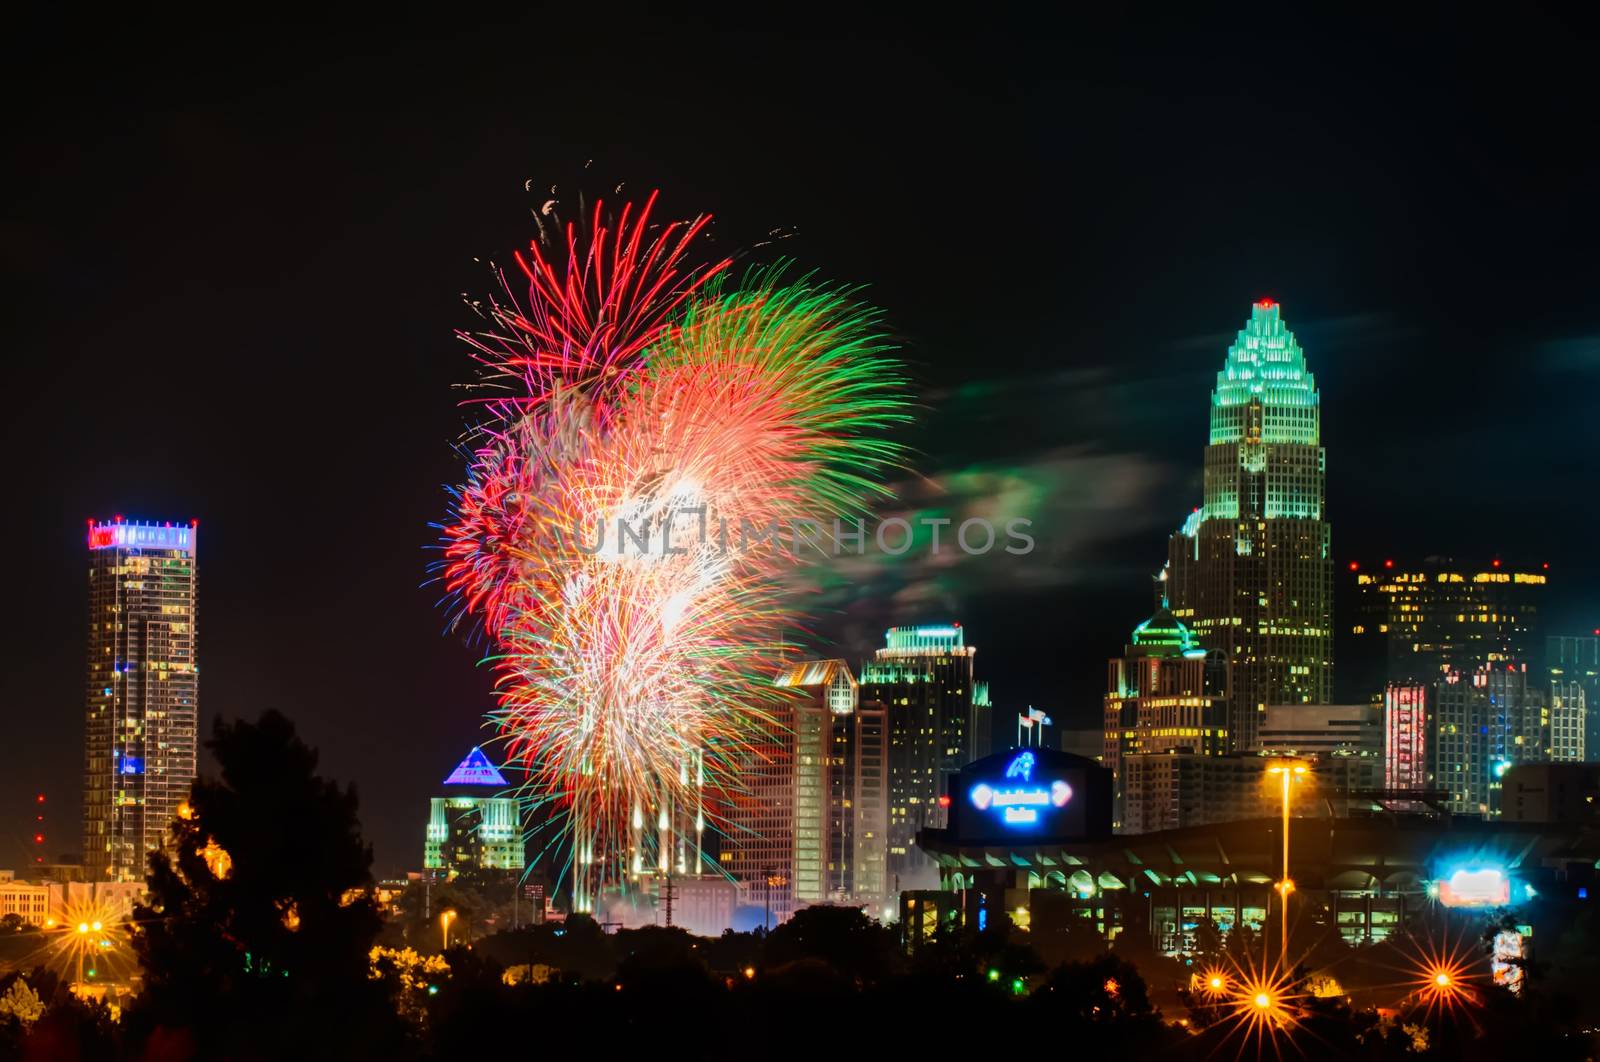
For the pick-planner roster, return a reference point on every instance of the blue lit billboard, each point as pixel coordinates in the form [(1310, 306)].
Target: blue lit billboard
[(1033, 794)]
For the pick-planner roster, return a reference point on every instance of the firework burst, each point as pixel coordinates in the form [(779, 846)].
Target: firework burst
[(633, 641)]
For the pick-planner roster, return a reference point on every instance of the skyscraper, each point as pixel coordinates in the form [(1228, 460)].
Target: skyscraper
[(475, 826), (1435, 638), (1427, 618), (1162, 695), (1486, 720), (1250, 571), (140, 703), (809, 825), (1574, 660), (923, 677)]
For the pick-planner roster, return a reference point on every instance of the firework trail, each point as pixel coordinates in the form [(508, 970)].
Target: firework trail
[(644, 408)]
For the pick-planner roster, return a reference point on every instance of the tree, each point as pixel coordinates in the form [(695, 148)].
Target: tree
[(843, 937), (1102, 1003), (21, 1003), (256, 939)]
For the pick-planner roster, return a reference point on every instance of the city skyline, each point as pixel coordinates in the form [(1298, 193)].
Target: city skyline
[(1429, 338)]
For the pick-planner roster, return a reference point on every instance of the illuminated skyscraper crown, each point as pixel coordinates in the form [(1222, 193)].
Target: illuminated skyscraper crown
[(475, 770), (1164, 631), (926, 640), (1265, 364)]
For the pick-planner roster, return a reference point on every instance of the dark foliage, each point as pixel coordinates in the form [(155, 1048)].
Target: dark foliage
[(251, 945)]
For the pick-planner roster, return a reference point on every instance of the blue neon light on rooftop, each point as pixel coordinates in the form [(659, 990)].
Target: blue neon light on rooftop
[(475, 770)]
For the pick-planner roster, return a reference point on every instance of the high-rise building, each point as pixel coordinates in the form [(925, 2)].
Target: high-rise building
[(1407, 718), (1428, 618), (1433, 640), (1484, 722), (474, 826), (937, 723), (1164, 694), (1569, 710), (810, 823), (1250, 572), (141, 691), (757, 850), (1576, 659)]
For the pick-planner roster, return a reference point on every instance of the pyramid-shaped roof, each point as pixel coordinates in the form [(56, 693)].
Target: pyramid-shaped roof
[(475, 770), (1164, 631), (1265, 362)]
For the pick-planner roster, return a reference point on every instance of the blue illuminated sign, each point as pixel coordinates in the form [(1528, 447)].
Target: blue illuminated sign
[(130, 765), (1019, 805), (1021, 767)]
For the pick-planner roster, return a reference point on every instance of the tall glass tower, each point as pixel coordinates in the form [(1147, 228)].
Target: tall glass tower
[(140, 714), (1250, 571), (938, 723)]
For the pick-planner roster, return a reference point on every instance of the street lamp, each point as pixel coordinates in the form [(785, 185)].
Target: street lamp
[(1287, 771), (445, 918)]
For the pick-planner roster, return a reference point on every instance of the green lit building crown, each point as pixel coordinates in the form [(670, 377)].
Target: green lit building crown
[(1265, 365)]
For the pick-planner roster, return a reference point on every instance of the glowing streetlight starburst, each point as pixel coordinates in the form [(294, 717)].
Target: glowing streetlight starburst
[(87, 939), (1213, 982), (1259, 1005), (1442, 980)]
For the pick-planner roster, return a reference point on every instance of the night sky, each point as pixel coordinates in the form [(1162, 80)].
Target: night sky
[(234, 258)]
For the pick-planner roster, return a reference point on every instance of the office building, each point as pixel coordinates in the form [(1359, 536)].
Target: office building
[(141, 691), (1576, 659), (1407, 718), (1163, 695), (1250, 572), (29, 902), (867, 807), (1569, 710), (937, 722), (1425, 619), (1485, 721), (1354, 730), (811, 823), (474, 826)]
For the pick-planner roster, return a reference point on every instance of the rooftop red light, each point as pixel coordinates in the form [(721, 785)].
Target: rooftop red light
[(1265, 304)]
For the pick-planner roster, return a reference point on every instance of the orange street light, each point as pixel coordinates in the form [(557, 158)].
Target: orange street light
[(445, 918), (1287, 771)]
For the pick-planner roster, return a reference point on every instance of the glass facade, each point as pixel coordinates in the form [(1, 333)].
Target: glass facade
[(937, 723), (1250, 572), (141, 691)]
